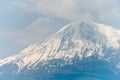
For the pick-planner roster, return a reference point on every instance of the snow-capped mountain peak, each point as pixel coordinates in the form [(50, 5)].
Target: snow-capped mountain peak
[(82, 38)]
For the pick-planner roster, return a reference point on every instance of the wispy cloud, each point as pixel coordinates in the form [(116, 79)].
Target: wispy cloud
[(105, 11), (72, 9), (51, 16), (38, 30)]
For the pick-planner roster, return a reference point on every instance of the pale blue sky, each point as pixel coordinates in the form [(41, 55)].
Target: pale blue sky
[(25, 21)]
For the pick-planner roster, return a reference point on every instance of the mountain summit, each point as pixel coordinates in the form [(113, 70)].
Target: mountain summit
[(78, 48)]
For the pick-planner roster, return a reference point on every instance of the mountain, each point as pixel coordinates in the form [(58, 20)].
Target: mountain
[(81, 50)]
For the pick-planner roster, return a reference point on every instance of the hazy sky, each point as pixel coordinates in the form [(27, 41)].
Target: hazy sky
[(25, 21)]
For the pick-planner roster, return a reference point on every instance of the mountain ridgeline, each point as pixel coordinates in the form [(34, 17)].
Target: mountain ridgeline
[(81, 50)]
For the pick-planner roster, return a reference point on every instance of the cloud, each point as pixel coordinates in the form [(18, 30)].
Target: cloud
[(52, 15), (37, 25), (72, 9), (38, 30), (4, 33), (105, 11), (20, 4), (116, 12), (35, 31)]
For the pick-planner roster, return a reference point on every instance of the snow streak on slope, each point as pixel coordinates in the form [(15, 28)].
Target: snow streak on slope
[(82, 38)]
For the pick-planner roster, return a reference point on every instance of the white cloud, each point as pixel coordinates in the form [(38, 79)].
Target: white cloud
[(71, 9), (34, 32), (116, 12), (38, 30), (37, 25), (4, 33), (105, 11)]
